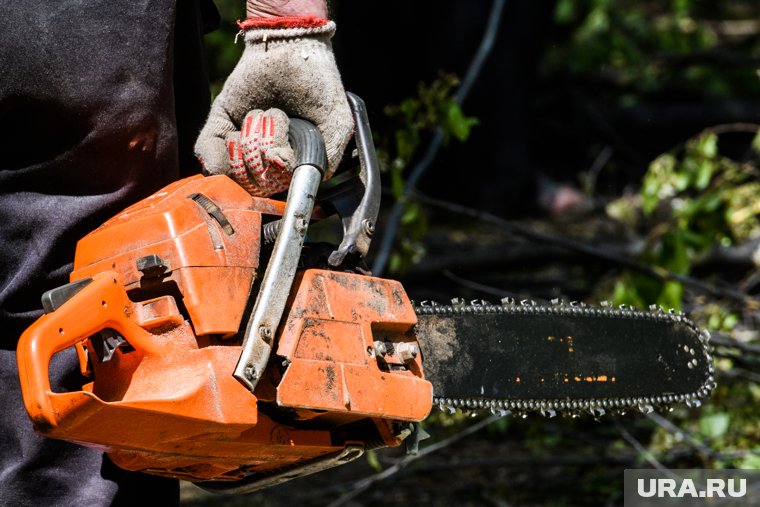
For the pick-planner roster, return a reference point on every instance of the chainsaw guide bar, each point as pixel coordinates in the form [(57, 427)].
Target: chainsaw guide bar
[(569, 359)]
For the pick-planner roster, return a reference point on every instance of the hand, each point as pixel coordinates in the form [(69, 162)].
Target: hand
[(260, 158), (287, 64)]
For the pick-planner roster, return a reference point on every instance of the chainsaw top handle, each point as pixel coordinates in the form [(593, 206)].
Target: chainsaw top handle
[(307, 144), (311, 160), (357, 202)]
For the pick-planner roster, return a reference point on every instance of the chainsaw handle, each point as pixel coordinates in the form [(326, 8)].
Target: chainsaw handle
[(311, 160), (307, 144), (101, 304)]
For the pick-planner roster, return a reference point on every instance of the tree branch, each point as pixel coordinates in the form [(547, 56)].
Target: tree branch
[(364, 484), (609, 255)]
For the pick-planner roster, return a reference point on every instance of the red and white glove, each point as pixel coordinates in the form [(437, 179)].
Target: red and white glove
[(288, 64), (260, 157)]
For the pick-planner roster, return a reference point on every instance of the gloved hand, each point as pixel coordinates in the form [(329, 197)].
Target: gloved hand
[(259, 155), (287, 64)]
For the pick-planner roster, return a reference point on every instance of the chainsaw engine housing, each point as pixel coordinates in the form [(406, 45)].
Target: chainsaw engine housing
[(158, 298)]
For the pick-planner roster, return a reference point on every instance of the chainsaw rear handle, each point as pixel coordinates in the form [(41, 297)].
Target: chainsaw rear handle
[(101, 304)]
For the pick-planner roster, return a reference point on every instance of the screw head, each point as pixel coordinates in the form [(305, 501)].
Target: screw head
[(301, 225), (368, 226)]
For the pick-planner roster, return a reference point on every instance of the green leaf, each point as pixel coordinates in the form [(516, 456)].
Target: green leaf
[(707, 145), (564, 13), (714, 425), (659, 182), (756, 142), (397, 183), (730, 322), (411, 214), (681, 8), (704, 175), (409, 108), (407, 141), (455, 122), (676, 253), (671, 295), (714, 321), (373, 461), (395, 263), (682, 181), (750, 462)]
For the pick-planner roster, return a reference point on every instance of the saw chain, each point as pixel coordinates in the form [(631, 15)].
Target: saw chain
[(697, 353)]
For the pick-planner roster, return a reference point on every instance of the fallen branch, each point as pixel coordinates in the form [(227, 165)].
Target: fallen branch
[(364, 484), (609, 255), (486, 289), (678, 432), (643, 452), (724, 340)]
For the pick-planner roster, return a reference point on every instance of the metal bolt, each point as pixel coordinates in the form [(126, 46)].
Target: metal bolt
[(407, 351), (380, 348), (301, 225), (250, 373), (266, 333), (368, 226)]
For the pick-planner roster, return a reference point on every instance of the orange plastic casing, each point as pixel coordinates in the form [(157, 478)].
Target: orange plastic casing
[(165, 402)]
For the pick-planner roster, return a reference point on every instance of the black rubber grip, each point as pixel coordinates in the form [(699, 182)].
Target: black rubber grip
[(308, 144)]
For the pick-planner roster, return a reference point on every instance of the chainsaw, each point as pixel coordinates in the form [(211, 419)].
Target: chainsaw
[(221, 346)]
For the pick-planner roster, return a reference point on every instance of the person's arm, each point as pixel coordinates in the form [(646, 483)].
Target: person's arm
[(286, 8), (287, 70)]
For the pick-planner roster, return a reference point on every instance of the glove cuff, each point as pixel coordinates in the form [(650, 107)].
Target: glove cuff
[(287, 27)]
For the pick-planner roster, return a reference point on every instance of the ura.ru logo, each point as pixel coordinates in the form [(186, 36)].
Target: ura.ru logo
[(712, 488)]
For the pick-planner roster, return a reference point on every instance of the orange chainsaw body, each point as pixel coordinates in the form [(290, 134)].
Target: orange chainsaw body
[(171, 283)]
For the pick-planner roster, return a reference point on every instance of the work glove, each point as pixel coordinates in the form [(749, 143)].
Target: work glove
[(287, 64), (259, 155)]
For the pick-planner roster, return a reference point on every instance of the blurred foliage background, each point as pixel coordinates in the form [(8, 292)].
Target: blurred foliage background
[(651, 109)]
